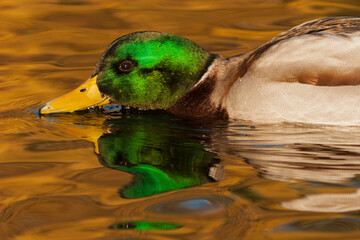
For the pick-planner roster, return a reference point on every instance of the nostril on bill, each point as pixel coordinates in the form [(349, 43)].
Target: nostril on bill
[(83, 90)]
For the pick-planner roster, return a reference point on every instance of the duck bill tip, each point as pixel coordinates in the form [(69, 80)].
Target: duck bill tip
[(85, 96)]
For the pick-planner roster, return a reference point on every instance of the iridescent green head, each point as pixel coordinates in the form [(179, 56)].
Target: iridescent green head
[(150, 70)]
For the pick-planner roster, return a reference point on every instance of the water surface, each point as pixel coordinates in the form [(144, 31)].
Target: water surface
[(151, 175)]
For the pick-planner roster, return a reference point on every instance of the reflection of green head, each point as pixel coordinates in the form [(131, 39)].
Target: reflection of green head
[(159, 159)]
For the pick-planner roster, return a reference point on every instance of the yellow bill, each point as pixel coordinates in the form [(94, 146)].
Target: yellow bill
[(86, 95)]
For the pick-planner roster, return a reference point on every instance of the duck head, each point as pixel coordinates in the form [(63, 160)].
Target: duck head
[(148, 70)]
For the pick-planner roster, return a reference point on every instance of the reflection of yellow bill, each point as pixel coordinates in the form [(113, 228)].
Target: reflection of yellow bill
[(88, 127), (87, 95), (86, 132)]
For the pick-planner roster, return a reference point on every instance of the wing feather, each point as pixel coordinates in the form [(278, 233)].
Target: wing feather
[(339, 26)]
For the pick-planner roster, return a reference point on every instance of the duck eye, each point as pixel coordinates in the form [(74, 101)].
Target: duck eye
[(125, 66)]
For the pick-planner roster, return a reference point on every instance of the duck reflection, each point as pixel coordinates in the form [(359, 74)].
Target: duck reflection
[(165, 154), (160, 159), (160, 155), (324, 161)]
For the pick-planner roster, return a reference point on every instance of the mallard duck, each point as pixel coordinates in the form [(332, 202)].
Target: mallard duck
[(310, 73)]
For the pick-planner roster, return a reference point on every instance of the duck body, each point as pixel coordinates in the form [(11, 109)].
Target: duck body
[(310, 73), (310, 78)]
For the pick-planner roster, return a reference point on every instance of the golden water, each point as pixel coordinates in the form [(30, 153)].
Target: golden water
[(280, 181)]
